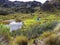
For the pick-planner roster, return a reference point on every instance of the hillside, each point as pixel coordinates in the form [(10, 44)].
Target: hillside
[(9, 7), (41, 23)]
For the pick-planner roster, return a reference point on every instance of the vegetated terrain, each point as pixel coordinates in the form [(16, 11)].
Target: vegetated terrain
[(42, 25)]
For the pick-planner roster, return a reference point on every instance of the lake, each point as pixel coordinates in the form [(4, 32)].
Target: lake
[(15, 25)]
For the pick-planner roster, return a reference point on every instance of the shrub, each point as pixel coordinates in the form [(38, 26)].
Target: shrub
[(35, 30), (12, 41), (50, 40), (21, 40), (4, 12), (1, 43), (4, 33), (54, 39), (46, 34), (57, 28), (4, 29)]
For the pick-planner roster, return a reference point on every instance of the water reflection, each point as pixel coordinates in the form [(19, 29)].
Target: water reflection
[(15, 25)]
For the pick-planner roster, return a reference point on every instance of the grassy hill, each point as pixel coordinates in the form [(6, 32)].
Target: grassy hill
[(40, 25)]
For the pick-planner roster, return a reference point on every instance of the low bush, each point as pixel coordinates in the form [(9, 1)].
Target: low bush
[(4, 33), (54, 39), (4, 12), (46, 34), (57, 28), (21, 40)]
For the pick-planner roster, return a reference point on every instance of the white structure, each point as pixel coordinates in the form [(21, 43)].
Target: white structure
[(15, 25)]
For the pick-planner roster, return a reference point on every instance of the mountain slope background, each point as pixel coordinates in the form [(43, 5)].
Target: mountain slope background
[(39, 22)]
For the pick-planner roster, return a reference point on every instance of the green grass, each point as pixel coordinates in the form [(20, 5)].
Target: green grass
[(29, 21)]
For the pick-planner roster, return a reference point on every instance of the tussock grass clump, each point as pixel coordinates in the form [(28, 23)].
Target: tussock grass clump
[(46, 34), (21, 40), (57, 28), (54, 39)]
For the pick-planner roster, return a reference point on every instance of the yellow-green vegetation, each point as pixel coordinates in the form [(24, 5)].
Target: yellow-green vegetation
[(45, 34), (38, 25), (19, 40), (4, 34), (51, 37), (51, 40), (57, 28), (12, 41), (39, 22), (29, 22)]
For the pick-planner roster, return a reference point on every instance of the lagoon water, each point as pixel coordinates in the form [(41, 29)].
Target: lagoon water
[(15, 25)]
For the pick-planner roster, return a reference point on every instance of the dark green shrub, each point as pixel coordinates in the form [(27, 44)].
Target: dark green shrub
[(4, 12)]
